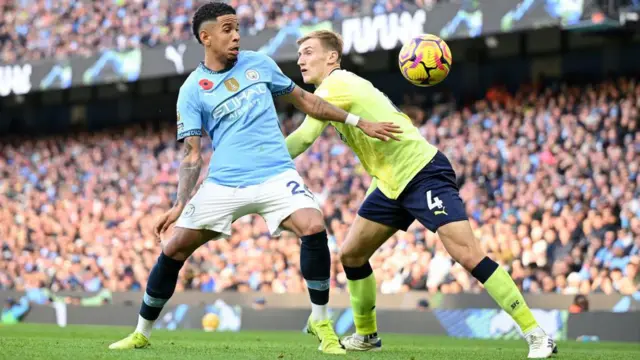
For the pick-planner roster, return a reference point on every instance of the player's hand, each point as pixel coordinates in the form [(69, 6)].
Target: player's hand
[(166, 220), (383, 131)]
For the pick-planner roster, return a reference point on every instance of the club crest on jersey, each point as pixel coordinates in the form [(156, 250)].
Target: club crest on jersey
[(180, 124), (232, 84), (252, 75)]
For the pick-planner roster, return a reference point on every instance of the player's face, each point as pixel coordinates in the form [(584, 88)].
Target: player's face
[(313, 60), (222, 36)]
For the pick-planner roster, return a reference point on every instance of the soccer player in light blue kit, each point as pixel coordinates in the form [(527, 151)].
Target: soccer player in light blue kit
[(230, 95)]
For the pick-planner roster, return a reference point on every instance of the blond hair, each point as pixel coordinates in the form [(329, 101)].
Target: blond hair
[(329, 40)]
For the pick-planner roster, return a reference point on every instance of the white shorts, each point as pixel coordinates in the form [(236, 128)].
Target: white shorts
[(215, 207)]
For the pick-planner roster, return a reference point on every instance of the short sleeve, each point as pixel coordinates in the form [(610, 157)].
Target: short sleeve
[(280, 83), (188, 113)]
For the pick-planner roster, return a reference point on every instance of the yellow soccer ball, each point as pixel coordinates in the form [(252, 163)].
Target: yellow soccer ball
[(210, 322), (425, 60)]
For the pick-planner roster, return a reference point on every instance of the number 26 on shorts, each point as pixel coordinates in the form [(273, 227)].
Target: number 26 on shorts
[(297, 189)]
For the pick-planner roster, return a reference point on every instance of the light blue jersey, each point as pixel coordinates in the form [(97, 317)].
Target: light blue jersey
[(236, 108)]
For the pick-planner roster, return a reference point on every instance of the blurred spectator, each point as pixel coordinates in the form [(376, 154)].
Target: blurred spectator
[(549, 178), (580, 304), (259, 303), (423, 305)]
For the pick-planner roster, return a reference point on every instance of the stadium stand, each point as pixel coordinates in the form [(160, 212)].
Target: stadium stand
[(549, 175), (42, 29)]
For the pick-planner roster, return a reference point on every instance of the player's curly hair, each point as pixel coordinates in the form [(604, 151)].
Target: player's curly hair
[(207, 12)]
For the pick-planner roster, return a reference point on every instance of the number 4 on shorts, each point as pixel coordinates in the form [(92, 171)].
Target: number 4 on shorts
[(434, 202)]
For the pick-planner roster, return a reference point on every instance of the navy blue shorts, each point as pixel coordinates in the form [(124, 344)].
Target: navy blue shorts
[(432, 197)]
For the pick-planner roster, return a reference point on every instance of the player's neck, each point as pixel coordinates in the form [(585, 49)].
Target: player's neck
[(215, 63), (327, 73)]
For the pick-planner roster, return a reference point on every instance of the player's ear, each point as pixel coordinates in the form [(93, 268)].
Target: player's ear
[(206, 29), (333, 57), (204, 37)]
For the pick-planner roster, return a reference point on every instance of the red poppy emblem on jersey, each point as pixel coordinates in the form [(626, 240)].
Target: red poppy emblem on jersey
[(206, 84)]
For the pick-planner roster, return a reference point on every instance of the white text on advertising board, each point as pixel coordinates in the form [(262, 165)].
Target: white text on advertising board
[(386, 31), (16, 79)]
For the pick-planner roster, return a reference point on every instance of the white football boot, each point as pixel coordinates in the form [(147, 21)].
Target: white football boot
[(357, 342), (541, 345)]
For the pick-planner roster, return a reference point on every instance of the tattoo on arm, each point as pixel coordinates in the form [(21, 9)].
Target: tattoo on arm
[(189, 170), (315, 106), (323, 110)]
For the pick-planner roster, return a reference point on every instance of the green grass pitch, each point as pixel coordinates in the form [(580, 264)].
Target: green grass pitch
[(32, 341)]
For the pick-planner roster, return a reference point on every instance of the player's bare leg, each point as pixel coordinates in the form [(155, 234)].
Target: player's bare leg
[(315, 264), (363, 239), (459, 240), (162, 283)]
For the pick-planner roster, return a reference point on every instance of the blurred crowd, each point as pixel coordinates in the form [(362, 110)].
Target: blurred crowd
[(550, 178), (32, 30)]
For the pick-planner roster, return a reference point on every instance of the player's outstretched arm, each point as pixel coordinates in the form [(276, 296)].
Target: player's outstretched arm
[(189, 170), (188, 175), (300, 140), (322, 110)]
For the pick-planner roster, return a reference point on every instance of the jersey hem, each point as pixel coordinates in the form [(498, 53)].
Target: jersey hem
[(412, 175), (245, 185)]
